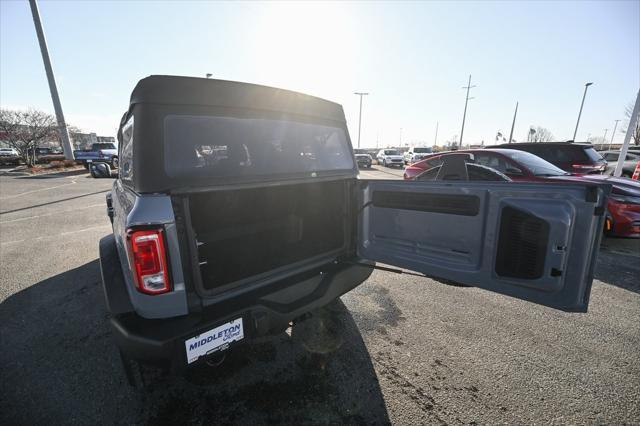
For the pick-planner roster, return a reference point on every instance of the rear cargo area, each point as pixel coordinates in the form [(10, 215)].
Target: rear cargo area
[(244, 233)]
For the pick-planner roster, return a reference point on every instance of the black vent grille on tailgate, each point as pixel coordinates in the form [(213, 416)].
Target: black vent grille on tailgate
[(522, 245)]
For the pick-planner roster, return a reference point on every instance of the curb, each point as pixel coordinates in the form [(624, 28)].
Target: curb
[(52, 172)]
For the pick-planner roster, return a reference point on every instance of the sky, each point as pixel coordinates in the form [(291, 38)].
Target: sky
[(413, 58)]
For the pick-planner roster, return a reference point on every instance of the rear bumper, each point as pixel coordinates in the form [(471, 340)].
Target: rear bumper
[(263, 311)]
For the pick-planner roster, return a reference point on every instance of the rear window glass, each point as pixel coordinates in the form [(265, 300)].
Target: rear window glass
[(538, 166), (126, 152), (475, 172), (593, 154), (104, 146), (226, 146)]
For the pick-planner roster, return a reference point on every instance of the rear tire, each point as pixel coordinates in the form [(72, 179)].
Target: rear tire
[(114, 163)]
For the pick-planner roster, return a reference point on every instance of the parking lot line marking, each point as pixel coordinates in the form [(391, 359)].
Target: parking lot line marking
[(52, 202), (62, 234), (37, 190), (54, 213)]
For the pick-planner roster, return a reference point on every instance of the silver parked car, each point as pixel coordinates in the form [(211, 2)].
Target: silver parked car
[(9, 156), (390, 157), (416, 154), (630, 162)]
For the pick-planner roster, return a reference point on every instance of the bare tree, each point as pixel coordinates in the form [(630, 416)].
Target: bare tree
[(25, 130), (539, 134), (635, 133), (452, 143), (77, 136), (598, 141)]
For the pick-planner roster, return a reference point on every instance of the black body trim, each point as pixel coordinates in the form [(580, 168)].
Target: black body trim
[(264, 311), (113, 283), (464, 205)]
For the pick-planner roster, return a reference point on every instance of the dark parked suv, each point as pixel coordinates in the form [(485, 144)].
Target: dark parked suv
[(238, 211), (577, 158)]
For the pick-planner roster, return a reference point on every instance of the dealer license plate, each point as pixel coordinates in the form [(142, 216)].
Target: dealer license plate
[(213, 340)]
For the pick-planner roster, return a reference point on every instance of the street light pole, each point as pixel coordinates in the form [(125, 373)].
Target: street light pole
[(361, 94), (604, 138), (62, 126), (613, 135), (435, 140), (586, 86), (464, 115), (633, 120), (513, 123)]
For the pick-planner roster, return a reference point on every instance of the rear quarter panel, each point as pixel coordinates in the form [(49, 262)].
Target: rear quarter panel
[(134, 210)]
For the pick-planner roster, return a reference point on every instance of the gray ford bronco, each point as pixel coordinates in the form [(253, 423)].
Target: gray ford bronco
[(238, 210)]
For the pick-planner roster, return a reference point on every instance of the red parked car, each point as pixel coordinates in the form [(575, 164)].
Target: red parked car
[(623, 216)]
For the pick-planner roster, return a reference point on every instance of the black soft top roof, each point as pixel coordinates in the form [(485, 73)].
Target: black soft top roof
[(158, 96), (173, 90)]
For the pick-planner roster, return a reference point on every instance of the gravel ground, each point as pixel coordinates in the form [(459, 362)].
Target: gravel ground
[(406, 350)]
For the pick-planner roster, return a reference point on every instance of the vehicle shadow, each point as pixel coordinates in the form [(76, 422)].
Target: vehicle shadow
[(59, 365)]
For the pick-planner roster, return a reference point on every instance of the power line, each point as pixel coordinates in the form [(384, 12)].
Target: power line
[(613, 135)]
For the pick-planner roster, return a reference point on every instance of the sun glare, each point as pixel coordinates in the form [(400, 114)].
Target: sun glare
[(305, 46)]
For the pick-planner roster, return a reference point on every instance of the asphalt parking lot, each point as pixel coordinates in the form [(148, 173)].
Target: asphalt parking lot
[(409, 349)]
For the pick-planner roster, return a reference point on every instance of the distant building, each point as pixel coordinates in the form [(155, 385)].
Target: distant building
[(85, 140)]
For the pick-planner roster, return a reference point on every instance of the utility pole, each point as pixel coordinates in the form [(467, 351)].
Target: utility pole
[(586, 86), (513, 123), (435, 140), (62, 126), (464, 115), (604, 138), (361, 94), (633, 120), (613, 135)]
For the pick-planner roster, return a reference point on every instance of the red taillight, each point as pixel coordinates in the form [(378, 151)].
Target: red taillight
[(149, 261), (588, 166)]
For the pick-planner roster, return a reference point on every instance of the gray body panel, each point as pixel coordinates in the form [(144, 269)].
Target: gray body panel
[(132, 210), (461, 246)]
